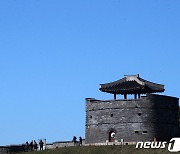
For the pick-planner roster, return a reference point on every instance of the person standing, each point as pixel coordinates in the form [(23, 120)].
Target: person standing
[(74, 140), (27, 146), (31, 146), (35, 146), (41, 143), (80, 140)]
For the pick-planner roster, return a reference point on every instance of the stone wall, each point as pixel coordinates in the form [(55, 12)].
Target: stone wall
[(21, 148), (4, 150), (151, 116), (63, 144), (12, 149)]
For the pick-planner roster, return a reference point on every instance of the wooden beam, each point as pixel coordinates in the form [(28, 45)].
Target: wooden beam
[(135, 96), (114, 96), (125, 96)]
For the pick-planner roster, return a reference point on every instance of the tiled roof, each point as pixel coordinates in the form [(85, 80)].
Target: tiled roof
[(131, 84)]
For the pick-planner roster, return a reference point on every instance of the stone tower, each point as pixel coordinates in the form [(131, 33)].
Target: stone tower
[(143, 118)]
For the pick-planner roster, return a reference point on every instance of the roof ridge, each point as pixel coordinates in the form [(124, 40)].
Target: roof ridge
[(135, 78)]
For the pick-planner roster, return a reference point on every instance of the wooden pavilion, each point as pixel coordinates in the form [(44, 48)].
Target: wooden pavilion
[(131, 84)]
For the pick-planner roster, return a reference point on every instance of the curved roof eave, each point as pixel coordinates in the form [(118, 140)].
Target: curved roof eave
[(127, 85)]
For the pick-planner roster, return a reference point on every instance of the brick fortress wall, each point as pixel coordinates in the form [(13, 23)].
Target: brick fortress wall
[(151, 116)]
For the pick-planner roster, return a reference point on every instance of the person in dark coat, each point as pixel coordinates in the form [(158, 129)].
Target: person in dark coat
[(31, 146), (27, 146), (80, 140), (41, 144), (74, 140), (35, 146)]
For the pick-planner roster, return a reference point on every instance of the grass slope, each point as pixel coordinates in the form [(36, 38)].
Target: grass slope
[(127, 149)]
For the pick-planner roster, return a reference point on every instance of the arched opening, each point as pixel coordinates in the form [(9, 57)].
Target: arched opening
[(112, 134)]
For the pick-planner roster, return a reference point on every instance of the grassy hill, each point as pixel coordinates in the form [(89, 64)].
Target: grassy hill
[(126, 149)]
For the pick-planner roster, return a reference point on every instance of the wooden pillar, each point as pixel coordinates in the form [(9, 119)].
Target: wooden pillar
[(125, 96), (135, 96), (114, 96), (139, 95)]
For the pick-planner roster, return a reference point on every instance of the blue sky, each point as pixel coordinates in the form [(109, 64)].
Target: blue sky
[(54, 54)]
